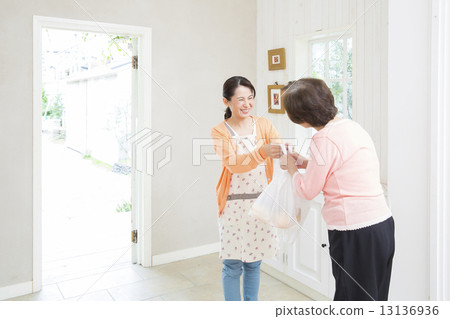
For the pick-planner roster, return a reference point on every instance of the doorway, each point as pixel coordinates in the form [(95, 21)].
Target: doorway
[(83, 135)]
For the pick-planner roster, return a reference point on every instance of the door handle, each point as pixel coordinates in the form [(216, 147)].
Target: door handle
[(324, 245)]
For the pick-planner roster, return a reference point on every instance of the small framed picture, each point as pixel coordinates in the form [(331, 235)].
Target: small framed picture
[(277, 59), (275, 103)]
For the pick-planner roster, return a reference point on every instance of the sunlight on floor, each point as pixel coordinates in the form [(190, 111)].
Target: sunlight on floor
[(195, 279)]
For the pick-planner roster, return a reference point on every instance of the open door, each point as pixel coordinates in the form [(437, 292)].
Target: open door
[(134, 107), (140, 119), (140, 141)]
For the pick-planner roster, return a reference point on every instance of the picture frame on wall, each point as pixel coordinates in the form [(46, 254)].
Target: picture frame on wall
[(277, 59), (275, 102)]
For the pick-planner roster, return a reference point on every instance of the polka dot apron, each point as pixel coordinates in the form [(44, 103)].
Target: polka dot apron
[(241, 236)]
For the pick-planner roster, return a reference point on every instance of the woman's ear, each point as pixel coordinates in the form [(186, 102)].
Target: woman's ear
[(225, 101)]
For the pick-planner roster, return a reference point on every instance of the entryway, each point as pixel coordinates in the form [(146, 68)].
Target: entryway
[(90, 100)]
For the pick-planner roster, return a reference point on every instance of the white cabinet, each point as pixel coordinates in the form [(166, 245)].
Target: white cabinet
[(307, 259)]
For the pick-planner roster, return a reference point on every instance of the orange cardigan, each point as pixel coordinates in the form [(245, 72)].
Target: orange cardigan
[(226, 149)]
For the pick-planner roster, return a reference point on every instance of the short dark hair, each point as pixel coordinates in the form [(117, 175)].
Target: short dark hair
[(230, 86), (309, 100)]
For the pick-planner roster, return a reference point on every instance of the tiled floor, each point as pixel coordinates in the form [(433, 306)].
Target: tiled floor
[(84, 236), (196, 279)]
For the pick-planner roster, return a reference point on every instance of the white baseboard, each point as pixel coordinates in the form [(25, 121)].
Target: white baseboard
[(185, 254), (16, 290), (291, 282)]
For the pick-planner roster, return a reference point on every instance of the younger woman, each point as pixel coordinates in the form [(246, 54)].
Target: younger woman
[(245, 144)]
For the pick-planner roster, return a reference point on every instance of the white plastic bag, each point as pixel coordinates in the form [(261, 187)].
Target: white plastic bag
[(278, 205)]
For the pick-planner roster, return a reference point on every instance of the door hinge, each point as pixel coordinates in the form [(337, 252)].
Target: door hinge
[(134, 237), (134, 62)]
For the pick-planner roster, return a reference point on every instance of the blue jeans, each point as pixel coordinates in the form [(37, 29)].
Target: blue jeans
[(231, 275)]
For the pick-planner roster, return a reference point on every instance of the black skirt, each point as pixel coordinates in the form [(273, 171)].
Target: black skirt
[(362, 261)]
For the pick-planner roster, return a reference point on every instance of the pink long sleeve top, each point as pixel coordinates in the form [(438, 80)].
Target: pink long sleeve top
[(344, 165)]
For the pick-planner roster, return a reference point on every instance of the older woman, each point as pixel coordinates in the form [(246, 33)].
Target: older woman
[(345, 167)]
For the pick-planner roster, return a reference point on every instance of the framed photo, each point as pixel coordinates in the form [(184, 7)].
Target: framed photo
[(277, 59), (275, 102)]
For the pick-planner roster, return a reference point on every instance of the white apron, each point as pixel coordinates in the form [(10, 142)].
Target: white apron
[(241, 236)]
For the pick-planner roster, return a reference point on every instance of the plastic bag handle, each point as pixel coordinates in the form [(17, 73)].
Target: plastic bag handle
[(283, 149)]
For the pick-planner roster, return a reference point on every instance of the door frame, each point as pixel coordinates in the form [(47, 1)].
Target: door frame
[(439, 148), (141, 186)]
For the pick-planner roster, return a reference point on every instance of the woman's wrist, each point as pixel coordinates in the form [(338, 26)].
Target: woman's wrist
[(292, 170), (303, 164), (262, 152)]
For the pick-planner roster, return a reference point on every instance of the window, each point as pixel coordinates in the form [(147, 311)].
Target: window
[(331, 60)]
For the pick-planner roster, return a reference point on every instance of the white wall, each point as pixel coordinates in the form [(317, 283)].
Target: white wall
[(409, 107), (196, 45), (281, 22), (419, 58)]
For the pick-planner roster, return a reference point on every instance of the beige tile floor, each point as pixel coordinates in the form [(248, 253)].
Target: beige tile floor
[(195, 279), (78, 267)]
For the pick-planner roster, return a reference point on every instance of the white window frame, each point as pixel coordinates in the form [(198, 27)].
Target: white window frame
[(302, 63)]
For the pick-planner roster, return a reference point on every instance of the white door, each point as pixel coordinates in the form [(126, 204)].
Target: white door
[(134, 107), (141, 136), (308, 260), (278, 262)]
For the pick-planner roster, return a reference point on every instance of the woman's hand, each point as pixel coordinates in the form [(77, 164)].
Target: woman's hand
[(300, 161), (273, 150), (287, 162)]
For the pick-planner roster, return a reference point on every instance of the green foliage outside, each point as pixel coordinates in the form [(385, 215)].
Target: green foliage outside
[(116, 46), (97, 162), (124, 207), (44, 102), (336, 69), (55, 110)]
